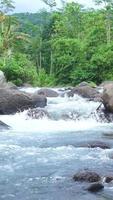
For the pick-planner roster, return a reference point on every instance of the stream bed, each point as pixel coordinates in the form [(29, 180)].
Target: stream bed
[(38, 157)]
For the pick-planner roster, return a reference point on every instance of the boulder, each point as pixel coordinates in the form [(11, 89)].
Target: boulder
[(108, 179), (82, 84), (85, 91), (37, 113), (12, 101), (105, 84), (10, 85), (95, 187), (107, 98), (87, 176), (48, 92), (91, 84)]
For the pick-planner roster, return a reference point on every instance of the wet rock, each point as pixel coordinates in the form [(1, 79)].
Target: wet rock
[(87, 176), (3, 126), (93, 144), (12, 101), (107, 98), (71, 116), (95, 187), (10, 85), (37, 113), (83, 84), (99, 144), (105, 84), (85, 91), (108, 179), (101, 115), (48, 92), (38, 100)]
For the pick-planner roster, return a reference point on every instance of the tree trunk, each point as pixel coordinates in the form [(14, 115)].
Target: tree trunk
[(108, 32), (51, 66), (40, 65)]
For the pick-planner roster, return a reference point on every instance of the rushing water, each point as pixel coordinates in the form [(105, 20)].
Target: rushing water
[(38, 158)]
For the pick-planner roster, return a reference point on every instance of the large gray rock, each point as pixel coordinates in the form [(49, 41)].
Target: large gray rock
[(85, 91), (87, 176), (83, 84), (105, 84), (12, 101), (10, 85), (48, 92), (107, 98), (95, 187)]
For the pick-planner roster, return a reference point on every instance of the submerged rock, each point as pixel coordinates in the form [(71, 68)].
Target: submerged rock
[(37, 113), (87, 176), (3, 125), (95, 187), (93, 144), (12, 101), (71, 116), (108, 179), (99, 144), (48, 92), (101, 115)]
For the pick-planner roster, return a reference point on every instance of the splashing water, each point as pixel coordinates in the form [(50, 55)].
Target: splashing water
[(38, 157)]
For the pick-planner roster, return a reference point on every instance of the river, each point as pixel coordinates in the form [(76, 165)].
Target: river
[(38, 158)]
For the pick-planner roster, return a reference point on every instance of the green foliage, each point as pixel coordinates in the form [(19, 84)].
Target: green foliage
[(67, 53), (63, 47), (19, 70), (44, 79)]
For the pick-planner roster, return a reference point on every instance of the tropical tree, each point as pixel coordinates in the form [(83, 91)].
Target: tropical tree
[(108, 5), (6, 6), (50, 3)]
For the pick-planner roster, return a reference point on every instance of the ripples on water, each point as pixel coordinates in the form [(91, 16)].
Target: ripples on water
[(39, 157)]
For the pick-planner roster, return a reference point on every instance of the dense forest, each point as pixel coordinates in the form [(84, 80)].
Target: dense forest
[(58, 47)]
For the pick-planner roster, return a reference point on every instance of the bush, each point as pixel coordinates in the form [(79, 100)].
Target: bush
[(44, 79), (19, 70)]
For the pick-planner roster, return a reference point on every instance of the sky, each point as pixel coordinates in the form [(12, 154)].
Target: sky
[(35, 5)]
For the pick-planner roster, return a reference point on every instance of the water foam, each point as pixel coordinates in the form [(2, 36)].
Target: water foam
[(78, 108)]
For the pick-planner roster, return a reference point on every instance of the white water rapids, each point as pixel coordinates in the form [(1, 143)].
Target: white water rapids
[(38, 157)]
